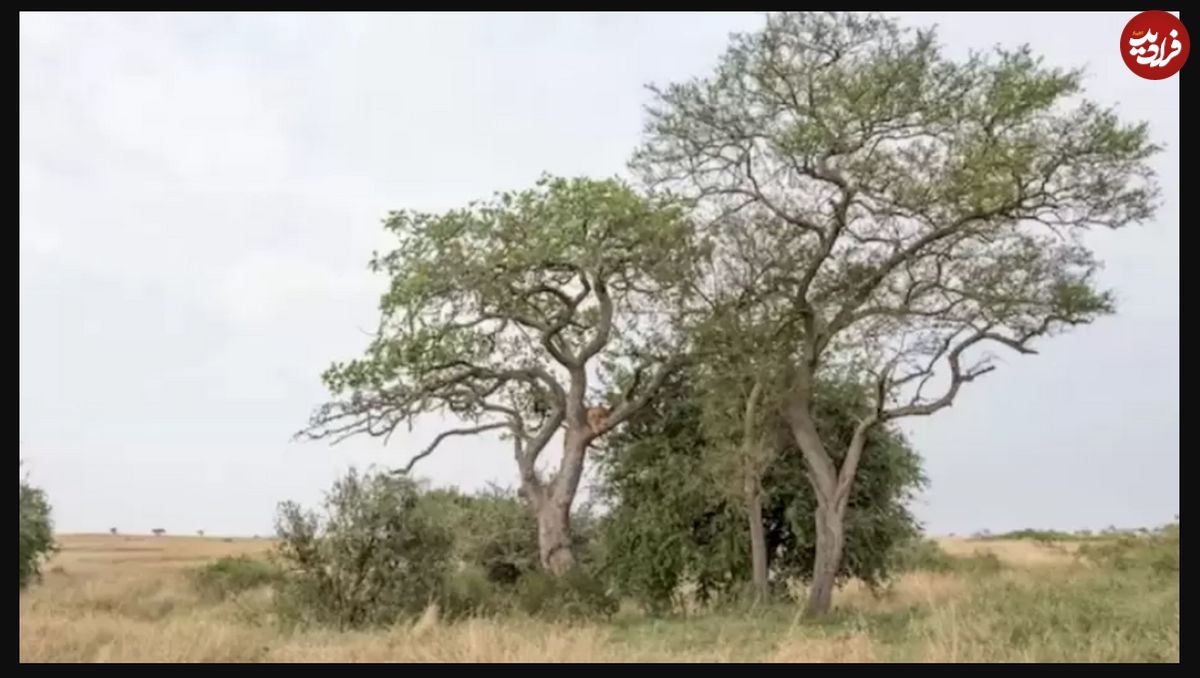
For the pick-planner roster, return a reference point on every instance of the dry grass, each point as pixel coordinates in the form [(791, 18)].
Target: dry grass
[(103, 553), (1021, 553), (129, 599)]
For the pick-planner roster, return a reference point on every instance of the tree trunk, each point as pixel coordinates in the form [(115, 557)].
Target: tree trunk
[(831, 537), (753, 469), (553, 510), (554, 537), (758, 546)]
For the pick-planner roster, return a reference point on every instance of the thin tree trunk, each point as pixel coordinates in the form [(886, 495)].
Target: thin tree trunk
[(752, 470), (758, 545), (831, 537)]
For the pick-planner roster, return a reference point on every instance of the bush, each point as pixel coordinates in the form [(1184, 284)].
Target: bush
[(1041, 536), (921, 554), (469, 592), (37, 534), (493, 531), (672, 523), (229, 576), (576, 595), (377, 554), (1157, 552)]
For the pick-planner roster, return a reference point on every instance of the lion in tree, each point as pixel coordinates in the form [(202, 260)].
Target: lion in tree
[(596, 416)]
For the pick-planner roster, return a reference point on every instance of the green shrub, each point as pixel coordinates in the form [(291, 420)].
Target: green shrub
[(921, 554), (228, 576), (672, 523), (575, 595), (1033, 535), (469, 592), (1157, 552), (926, 555), (37, 534), (493, 530), (376, 554)]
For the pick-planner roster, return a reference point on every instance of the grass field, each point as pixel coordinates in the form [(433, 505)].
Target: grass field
[(110, 598)]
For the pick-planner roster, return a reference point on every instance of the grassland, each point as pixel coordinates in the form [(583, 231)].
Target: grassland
[(110, 598)]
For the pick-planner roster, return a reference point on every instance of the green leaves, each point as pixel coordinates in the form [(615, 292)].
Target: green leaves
[(375, 554), (501, 309), (895, 202), (670, 521), (37, 536)]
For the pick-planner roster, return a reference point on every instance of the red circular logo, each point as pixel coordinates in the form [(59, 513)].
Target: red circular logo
[(1155, 44)]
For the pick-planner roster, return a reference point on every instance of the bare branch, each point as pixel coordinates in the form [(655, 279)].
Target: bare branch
[(444, 435)]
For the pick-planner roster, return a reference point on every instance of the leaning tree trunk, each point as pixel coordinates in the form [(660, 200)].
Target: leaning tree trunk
[(831, 536), (831, 485)]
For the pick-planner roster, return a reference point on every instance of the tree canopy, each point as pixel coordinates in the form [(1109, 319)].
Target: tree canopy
[(517, 315)]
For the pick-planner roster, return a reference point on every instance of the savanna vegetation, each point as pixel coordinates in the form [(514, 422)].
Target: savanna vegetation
[(833, 231)]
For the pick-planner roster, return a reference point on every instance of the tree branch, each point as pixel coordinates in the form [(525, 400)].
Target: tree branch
[(444, 435)]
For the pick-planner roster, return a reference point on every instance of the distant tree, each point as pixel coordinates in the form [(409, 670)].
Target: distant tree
[(112, 530), (158, 531), (199, 533)]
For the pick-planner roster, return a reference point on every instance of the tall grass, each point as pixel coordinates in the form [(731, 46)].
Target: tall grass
[(1114, 600)]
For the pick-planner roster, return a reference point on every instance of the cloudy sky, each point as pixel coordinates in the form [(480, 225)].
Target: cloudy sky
[(200, 194)]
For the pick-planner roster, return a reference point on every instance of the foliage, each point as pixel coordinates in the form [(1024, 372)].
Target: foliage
[(493, 530), (895, 211), (230, 575), (37, 533), (470, 591), (576, 595), (669, 522), (478, 296), (377, 554), (1157, 552), (517, 315), (921, 554)]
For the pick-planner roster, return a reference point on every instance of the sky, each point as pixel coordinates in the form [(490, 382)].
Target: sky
[(200, 194)]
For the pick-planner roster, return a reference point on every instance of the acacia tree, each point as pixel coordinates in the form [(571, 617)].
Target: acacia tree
[(920, 210), (519, 315)]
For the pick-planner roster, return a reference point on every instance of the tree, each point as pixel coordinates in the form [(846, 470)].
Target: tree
[(37, 532), (735, 386), (672, 520), (518, 315), (918, 210)]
